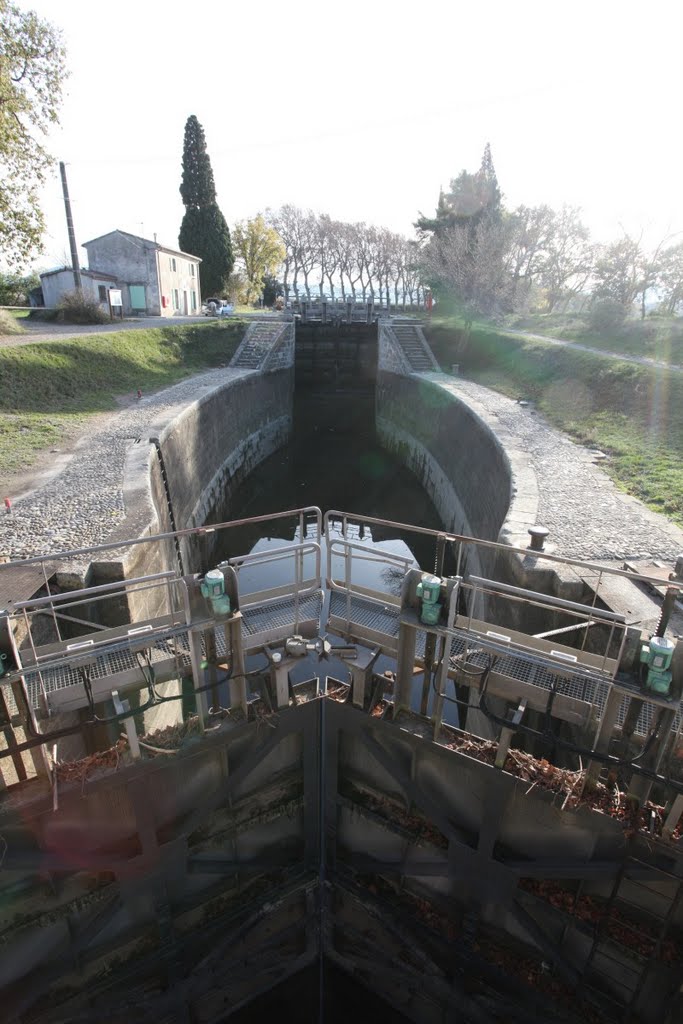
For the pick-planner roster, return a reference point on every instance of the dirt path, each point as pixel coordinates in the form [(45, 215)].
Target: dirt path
[(50, 462), (641, 360), (38, 330)]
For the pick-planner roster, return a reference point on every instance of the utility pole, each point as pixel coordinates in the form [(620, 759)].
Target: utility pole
[(70, 228)]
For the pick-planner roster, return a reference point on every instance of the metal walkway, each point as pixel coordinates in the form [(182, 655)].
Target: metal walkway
[(567, 682)]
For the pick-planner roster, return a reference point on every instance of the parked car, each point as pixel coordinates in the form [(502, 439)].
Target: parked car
[(217, 307)]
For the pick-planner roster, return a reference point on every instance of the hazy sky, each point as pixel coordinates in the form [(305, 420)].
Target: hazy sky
[(363, 109)]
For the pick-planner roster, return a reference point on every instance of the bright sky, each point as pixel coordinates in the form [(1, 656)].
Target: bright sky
[(363, 109)]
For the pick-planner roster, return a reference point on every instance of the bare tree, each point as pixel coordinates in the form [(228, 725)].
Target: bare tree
[(569, 258), (470, 264), (355, 257), (411, 270), (618, 271), (531, 229), (350, 265), (671, 278), (327, 257), (285, 221), (308, 248), (384, 248)]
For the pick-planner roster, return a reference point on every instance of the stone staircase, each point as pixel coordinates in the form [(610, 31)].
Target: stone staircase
[(257, 344), (414, 347)]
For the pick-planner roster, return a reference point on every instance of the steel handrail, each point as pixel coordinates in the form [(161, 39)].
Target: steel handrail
[(545, 600), (386, 556), (277, 554), (120, 545), (380, 596), (84, 655), (87, 592), (457, 538), (255, 600)]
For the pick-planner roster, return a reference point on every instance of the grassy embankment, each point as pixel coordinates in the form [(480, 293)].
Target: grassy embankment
[(634, 413), (656, 337), (10, 322), (48, 390)]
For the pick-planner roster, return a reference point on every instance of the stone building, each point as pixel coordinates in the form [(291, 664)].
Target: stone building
[(56, 283), (154, 280)]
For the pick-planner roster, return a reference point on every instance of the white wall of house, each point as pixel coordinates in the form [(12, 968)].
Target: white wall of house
[(179, 280)]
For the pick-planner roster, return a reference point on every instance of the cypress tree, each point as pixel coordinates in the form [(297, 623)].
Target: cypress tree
[(204, 231), (470, 199), (491, 194), (197, 187)]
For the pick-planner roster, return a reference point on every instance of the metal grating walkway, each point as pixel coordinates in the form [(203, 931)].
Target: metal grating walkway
[(119, 658), (370, 615), (280, 614), (105, 665), (516, 667), (364, 612)]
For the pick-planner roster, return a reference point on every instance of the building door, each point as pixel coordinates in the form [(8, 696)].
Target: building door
[(137, 298), (185, 305)]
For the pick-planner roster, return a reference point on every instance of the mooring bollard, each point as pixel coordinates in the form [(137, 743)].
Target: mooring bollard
[(538, 535)]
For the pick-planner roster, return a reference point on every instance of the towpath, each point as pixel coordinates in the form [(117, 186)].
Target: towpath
[(39, 330), (588, 517), (625, 358), (82, 501)]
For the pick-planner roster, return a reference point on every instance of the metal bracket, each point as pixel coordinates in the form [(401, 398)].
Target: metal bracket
[(507, 732), (122, 707)]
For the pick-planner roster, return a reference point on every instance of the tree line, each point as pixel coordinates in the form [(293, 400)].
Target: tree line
[(359, 261), (473, 251), (493, 260), (298, 252)]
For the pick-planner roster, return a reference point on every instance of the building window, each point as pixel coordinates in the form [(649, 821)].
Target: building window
[(173, 264), (194, 302), (103, 292), (191, 269), (176, 299)]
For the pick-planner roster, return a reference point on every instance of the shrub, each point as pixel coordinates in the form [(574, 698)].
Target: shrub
[(606, 313), (76, 308), (14, 290)]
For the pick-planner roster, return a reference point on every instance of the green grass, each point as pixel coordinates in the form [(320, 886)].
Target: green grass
[(47, 390), (10, 322), (633, 413), (657, 337)]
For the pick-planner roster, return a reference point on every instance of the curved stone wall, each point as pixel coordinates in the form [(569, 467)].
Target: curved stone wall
[(454, 454), (480, 481), (207, 449)]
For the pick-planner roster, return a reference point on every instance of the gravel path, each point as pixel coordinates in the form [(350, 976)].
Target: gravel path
[(588, 517), (83, 503), (37, 330), (586, 514)]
